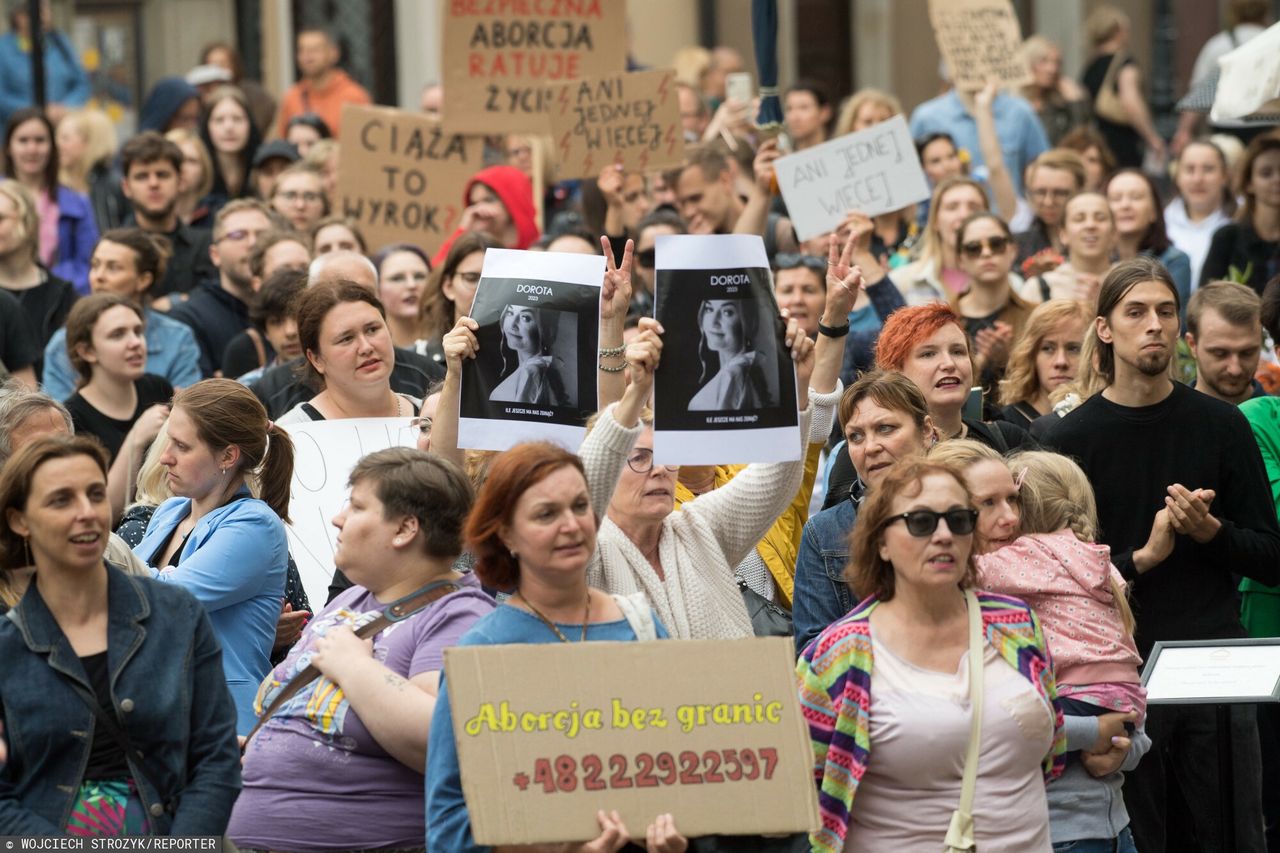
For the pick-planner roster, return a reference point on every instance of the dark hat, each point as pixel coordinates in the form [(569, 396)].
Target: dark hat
[(276, 149)]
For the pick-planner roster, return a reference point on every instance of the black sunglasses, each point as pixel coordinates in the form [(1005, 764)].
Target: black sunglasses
[(973, 248), (922, 522), (647, 257)]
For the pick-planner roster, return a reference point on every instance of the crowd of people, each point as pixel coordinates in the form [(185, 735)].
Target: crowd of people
[(1038, 434)]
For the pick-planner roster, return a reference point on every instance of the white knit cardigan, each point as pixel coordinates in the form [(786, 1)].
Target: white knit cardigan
[(699, 546)]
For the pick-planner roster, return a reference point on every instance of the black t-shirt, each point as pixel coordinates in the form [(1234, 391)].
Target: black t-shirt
[(1123, 140), (106, 754), (151, 389), (46, 307), (241, 354), (18, 347)]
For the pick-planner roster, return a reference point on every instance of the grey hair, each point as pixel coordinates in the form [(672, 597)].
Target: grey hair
[(315, 272), (17, 403)]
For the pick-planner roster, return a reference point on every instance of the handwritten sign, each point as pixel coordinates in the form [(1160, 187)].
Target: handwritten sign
[(980, 39), (874, 170), (632, 120), (708, 730), (324, 454), (505, 59), (401, 176)]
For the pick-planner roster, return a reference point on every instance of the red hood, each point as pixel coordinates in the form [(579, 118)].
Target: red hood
[(516, 191)]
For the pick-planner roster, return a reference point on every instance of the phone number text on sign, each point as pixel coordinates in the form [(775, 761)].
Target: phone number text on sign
[(564, 773)]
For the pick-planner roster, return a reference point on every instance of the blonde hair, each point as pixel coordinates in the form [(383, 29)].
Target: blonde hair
[(1055, 494), (28, 215), (963, 453), (320, 152), (180, 136), (1103, 23), (692, 64), (931, 243), (99, 135), (855, 102), (1020, 380)]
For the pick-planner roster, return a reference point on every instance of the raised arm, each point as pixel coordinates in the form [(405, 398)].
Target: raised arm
[(754, 218), (998, 178), (458, 343), (615, 299)]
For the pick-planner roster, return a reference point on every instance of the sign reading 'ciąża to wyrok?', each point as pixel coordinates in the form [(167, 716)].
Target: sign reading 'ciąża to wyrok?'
[(709, 731), (401, 176), (504, 60)]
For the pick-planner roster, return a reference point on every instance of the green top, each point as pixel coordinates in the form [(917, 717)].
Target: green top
[(1260, 611)]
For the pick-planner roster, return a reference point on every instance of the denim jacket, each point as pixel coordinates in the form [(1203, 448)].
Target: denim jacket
[(821, 596), (167, 690)]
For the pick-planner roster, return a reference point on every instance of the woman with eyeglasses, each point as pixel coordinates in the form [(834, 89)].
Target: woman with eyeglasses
[(450, 290), (654, 225), (887, 689), (993, 312), (299, 197)]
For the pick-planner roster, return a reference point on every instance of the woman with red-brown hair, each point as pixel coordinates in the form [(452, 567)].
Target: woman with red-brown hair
[(533, 532)]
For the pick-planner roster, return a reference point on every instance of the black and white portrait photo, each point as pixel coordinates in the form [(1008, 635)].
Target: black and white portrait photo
[(737, 369), (533, 377)]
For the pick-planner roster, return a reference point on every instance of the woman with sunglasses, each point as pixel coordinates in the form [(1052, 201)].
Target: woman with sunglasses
[(935, 276), (886, 689), (993, 312)]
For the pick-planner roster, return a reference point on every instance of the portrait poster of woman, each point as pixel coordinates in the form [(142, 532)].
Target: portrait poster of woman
[(534, 376), (726, 385)]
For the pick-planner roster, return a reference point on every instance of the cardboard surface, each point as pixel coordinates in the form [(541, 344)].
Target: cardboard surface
[(708, 730), (632, 120), (504, 60), (980, 39), (401, 176), (874, 170)]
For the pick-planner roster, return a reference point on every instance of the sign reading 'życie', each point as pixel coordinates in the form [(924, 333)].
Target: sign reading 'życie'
[(874, 171), (707, 730), (401, 176), (630, 120), (505, 59), (980, 40)]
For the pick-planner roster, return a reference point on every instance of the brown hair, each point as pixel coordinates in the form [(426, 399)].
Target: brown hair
[(151, 251), (227, 413), (1062, 159), (150, 147), (80, 322), (868, 573), (264, 244), (1081, 139), (1236, 303), (1020, 381), (16, 405), (438, 309), (240, 205), (15, 484), (180, 135), (510, 475), (1122, 278), (886, 388), (346, 222), (427, 487), (314, 305), (1244, 172)]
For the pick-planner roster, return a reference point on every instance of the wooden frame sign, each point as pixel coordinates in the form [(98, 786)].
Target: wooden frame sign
[(707, 730)]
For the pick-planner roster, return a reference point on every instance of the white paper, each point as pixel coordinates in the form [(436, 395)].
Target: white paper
[(1214, 672), (1250, 78), (874, 170), (721, 441), (563, 290), (324, 454)]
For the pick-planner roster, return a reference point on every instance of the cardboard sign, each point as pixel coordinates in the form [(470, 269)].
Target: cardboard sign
[(708, 730), (534, 378), (324, 454), (632, 120), (874, 170), (980, 39), (505, 59), (401, 176), (1250, 79), (725, 391)]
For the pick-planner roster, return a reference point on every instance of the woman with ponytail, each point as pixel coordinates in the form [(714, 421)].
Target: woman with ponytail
[(214, 538)]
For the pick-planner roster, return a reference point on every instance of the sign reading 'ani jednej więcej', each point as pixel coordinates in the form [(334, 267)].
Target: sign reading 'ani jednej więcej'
[(709, 731), (630, 120), (873, 171), (401, 176), (534, 378), (725, 390), (505, 59)]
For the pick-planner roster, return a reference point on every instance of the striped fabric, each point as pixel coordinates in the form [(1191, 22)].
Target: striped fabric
[(835, 696)]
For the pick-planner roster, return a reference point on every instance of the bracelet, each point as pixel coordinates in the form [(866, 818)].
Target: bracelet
[(833, 331), (618, 369), (612, 352)]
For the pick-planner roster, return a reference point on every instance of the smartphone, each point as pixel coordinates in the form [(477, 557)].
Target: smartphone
[(973, 405), (738, 87)]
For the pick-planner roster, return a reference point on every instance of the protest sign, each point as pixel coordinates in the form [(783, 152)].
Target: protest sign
[(1250, 80), (725, 390), (505, 59), (874, 171), (709, 731), (980, 40), (324, 452), (631, 120), (534, 378), (401, 176)]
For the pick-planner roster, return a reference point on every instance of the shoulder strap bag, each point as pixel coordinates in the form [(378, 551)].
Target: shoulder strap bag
[(1107, 104), (960, 833)]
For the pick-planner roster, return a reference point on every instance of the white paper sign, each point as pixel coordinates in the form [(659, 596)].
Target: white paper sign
[(324, 454), (874, 170), (534, 378), (1214, 671), (1250, 81), (725, 390)]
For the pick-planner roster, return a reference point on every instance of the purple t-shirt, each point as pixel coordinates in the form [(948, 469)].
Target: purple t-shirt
[(315, 765)]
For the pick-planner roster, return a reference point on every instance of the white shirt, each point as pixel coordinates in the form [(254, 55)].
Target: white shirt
[(1192, 237)]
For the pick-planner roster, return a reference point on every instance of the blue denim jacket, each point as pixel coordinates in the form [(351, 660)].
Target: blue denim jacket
[(168, 691), (821, 596)]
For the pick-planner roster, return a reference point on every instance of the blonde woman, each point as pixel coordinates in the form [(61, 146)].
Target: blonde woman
[(195, 181), (1057, 99), (324, 156), (935, 275), (86, 142), (1044, 358)]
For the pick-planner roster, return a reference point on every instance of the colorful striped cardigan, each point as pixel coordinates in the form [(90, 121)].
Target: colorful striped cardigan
[(835, 696)]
